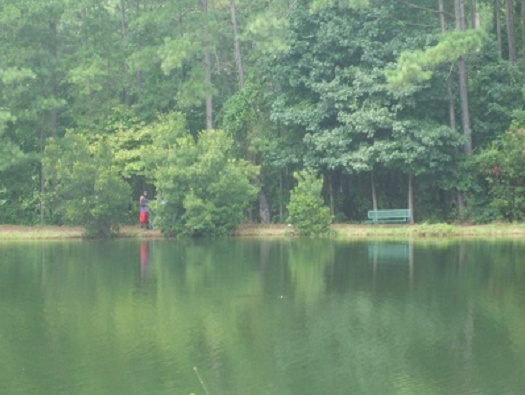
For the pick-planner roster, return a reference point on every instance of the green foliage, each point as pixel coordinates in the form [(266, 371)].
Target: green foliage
[(202, 190), (10, 78), (339, 114), (267, 29), (503, 167), (419, 147), (241, 117), (10, 153), (19, 202), (495, 95), (308, 213), (316, 94), (416, 66), (320, 4), (84, 187), (125, 134), (175, 52)]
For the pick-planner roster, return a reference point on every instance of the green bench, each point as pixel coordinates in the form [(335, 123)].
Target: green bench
[(389, 216)]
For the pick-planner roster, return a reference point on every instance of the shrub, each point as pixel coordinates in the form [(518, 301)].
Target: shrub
[(307, 211), (84, 187), (202, 189), (502, 166)]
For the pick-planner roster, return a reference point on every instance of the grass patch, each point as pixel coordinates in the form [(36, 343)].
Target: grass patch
[(339, 231), (11, 232), (429, 230), (14, 232)]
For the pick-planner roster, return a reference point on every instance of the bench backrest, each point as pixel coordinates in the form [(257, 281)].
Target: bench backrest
[(384, 214)]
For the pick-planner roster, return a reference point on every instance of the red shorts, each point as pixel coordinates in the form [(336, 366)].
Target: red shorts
[(144, 218)]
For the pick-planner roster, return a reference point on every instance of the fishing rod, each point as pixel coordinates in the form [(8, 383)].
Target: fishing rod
[(201, 381)]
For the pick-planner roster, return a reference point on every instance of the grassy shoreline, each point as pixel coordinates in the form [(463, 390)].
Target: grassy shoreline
[(347, 231), (340, 231)]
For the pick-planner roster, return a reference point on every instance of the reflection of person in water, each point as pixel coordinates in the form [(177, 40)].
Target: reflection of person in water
[(144, 259)]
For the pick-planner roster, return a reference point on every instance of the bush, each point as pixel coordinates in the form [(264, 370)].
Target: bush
[(84, 187), (202, 189), (501, 171), (307, 211)]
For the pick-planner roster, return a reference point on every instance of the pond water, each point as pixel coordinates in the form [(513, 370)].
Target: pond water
[(253, 317)]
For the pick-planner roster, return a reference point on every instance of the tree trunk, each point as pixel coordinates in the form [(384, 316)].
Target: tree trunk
[(497, 24), (42, 180), (463, 90), (207, 67), (264, 210), (374, 197), (139, 74), (281, 206), (411, 198), (460, 202), (53, 112), (459, 10), (123, 32), (123, 23), (451, 106), (236, 43), (442, 20), (467, 133), (53, 85), (523, 31), (331, 194), (510, 30), (473, 17)]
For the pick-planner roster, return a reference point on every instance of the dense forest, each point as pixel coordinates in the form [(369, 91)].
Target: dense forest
[(216, 107)]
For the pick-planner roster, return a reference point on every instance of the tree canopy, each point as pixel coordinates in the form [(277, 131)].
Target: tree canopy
[(390, 103)]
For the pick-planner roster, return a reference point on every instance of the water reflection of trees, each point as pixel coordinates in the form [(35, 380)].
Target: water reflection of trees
[(265, 317)]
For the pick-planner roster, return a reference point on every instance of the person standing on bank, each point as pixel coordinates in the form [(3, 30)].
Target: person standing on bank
[(144, 212)]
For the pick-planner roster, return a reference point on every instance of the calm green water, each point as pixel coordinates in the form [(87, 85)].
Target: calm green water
[(255, 317)]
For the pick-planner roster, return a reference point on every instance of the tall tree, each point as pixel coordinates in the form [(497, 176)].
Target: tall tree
[(124, 32), (236, 43), (264, 212), (497, 25), (523, 32), (35, 41), (187, 51), (333, 94), (511, 35), (451, 107), (474, 14), (10, 152), (207, 65), (463, 80)]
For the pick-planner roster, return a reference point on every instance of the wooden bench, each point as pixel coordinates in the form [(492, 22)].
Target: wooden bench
[(389, 216)]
